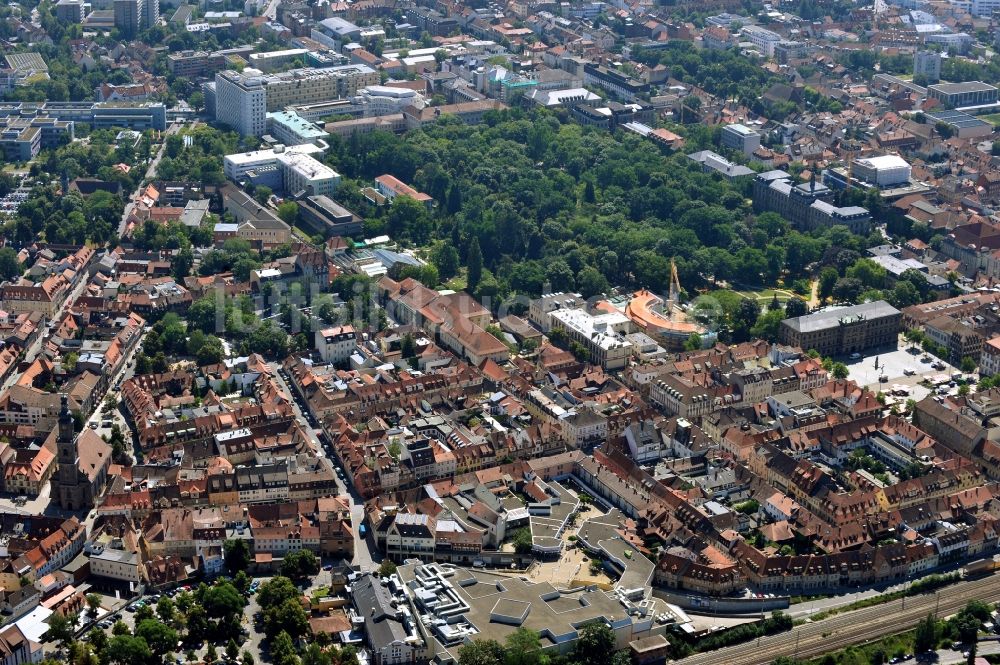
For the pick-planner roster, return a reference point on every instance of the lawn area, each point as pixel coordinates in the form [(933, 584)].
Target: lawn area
[(456, 283), (302, 233), (993, 118), (765, 295)]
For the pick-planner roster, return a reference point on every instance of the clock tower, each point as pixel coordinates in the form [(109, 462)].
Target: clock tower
[(69, 458)]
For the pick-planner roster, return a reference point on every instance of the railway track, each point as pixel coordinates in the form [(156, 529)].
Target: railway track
[(842, 630)]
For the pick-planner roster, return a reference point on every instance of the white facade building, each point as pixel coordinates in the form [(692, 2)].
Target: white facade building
[(740, 137), (241, 101), (299, 170), (237, 165), (303, 173), (764, 39), (984, 7), (386, 100), (989, 361), (116, 564), (928, 63), (335, 345), (883, 171), (603, 335)]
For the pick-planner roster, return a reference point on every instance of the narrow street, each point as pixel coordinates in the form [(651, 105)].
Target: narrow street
[(271, 11), (363, 557), (35, 348)]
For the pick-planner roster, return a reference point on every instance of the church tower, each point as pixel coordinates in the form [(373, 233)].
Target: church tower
[(69, 457)]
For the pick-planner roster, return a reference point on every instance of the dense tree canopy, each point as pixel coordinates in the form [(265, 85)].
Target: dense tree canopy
[(525, 220)]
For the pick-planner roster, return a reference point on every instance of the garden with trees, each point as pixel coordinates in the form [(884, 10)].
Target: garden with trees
[(529, 200)]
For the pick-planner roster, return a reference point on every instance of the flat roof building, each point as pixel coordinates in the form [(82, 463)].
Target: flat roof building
[(70, 11), (324, 215), (964, 125), (300, 173), (487, 606), (740, 137), (928, 65), (603, 335), (960, 95), (192, 64), (269, 61), (242, 100), (304, 175), (290, 129), (238, 164), (765, 40), (125, 115), (21, 138), (882, 171)]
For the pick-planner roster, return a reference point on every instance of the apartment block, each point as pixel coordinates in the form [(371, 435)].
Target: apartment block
[(192, 64), (989, 359), (335, 345), (70, 11), (928, 65), (128, 17)]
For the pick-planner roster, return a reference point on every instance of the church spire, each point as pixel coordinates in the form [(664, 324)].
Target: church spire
[(66, 433)]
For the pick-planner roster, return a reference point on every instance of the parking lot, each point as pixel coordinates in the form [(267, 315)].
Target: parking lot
[(906, 366)]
